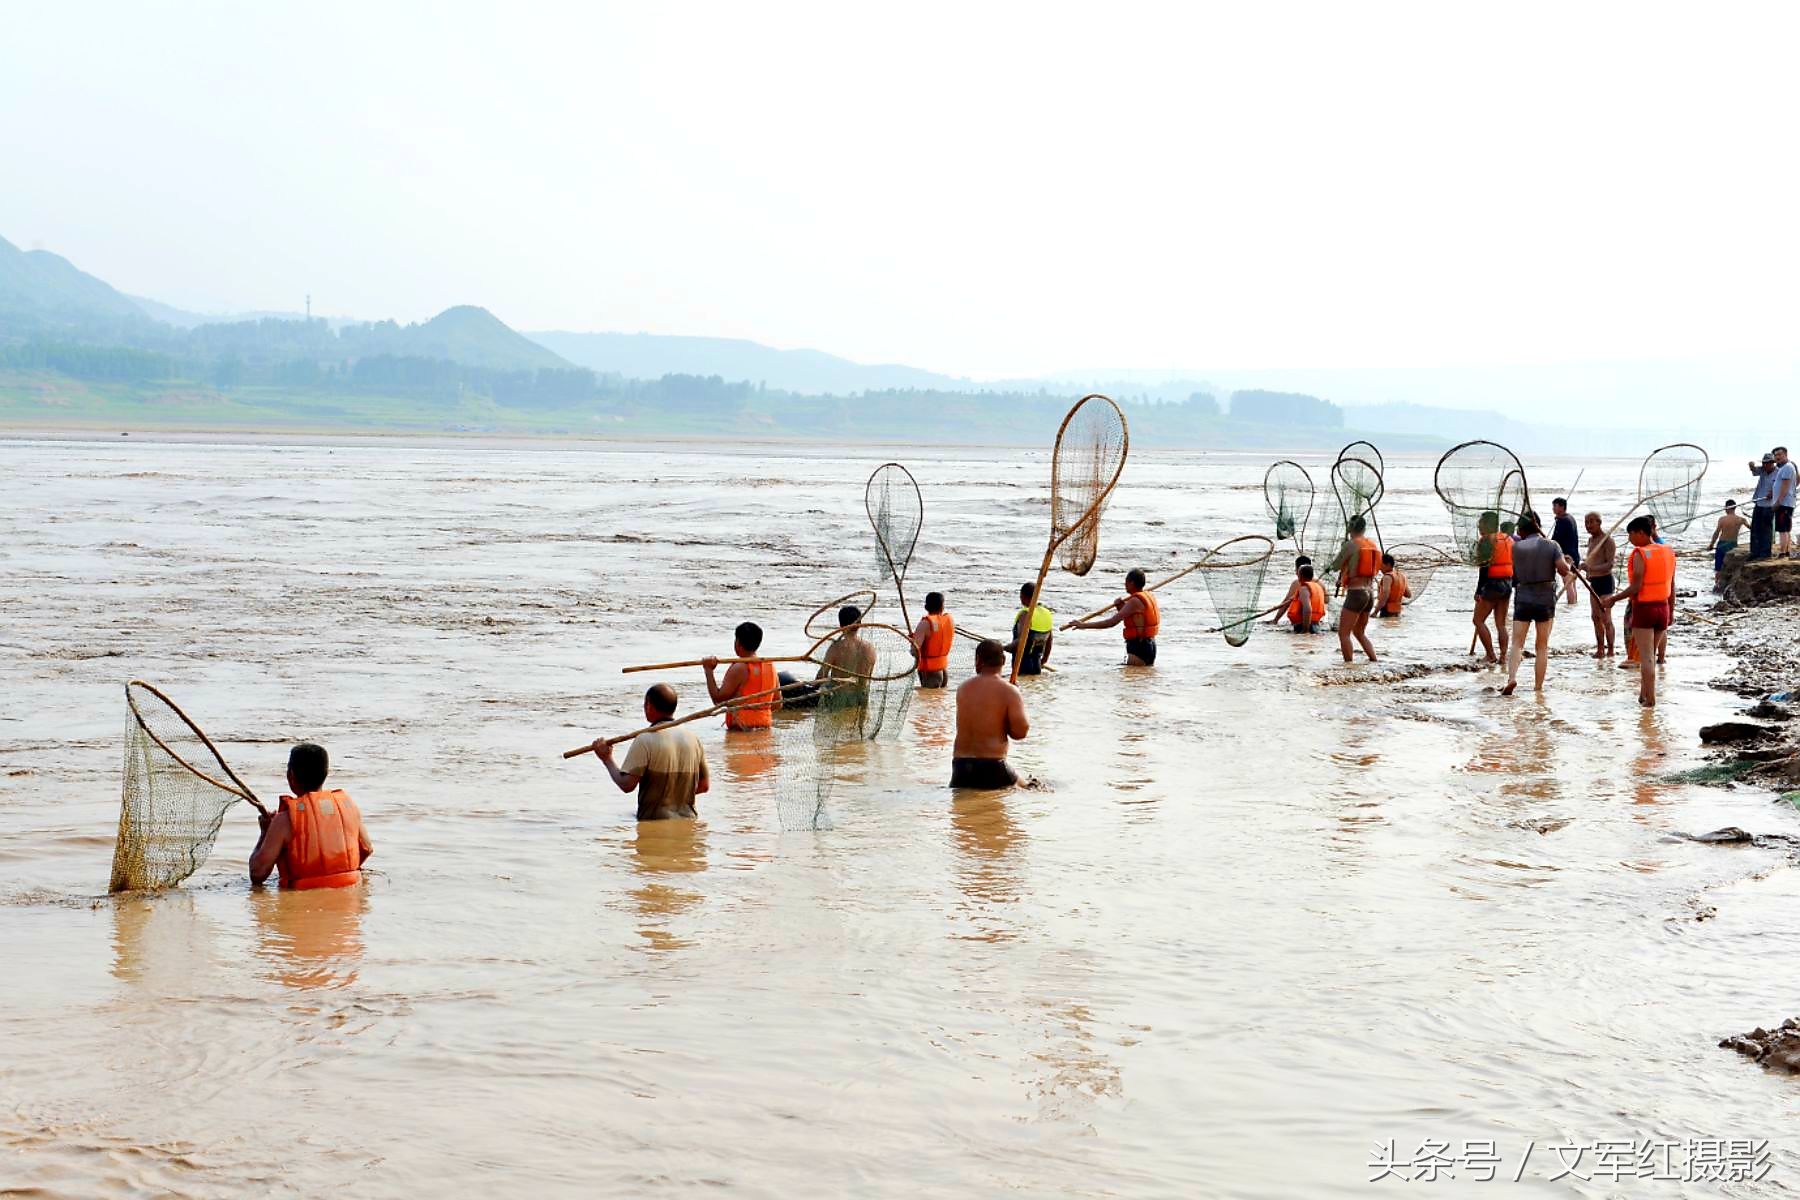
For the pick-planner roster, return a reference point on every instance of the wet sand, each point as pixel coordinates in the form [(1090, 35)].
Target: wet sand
[(1256, 925)]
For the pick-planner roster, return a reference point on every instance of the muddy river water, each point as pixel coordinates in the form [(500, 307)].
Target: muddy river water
[(1266, 916)]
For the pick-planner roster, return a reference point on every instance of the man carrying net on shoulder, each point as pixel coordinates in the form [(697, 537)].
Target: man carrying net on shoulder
[(990, 715), (1359, 562), (1537, 561), (316, 837), (1137, 611), (666, 767)]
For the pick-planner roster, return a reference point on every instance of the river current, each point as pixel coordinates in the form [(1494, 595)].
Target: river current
[(1266, 915)]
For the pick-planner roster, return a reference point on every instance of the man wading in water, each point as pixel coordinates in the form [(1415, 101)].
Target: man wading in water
[(1651, 576), (316, 837), (755, 678), (1137, 610), (933, 639), (1537, 562), (990, 714), (1598, 567), (1493, 586), (1359, 561), (665, 767)]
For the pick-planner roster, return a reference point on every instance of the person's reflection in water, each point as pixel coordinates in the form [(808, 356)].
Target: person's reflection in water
[(662, 849), (310, 939), (1649, 766), (988, 843), (750, 754)]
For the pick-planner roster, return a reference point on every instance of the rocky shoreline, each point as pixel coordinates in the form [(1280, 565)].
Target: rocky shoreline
[(1757, 625)]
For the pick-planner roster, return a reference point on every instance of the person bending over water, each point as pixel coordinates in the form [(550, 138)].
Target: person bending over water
[(990, 714), (1305, 601), (316, 837), (1359, 561), (1395, 591), (1494, 582), (933, 638), (665, 767), (1537, 562), (1650, 587), (1137, 611)]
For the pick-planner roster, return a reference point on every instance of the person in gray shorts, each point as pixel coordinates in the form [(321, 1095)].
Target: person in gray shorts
[(1537, 562)]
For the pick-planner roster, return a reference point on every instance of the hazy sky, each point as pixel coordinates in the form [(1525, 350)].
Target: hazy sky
[(977, 188)]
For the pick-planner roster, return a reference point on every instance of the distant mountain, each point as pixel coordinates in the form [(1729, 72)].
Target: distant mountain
[(653, 355), (37, 281), (474, 337)]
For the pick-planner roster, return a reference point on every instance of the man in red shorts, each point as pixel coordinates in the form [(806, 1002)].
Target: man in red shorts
[(1651, 589)]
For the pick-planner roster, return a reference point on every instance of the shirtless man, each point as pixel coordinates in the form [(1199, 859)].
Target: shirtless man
[(990, 714), (1725, 539), (848, 656), (1597, 566), (1137, 610), (1537, 562), (1359, 562)]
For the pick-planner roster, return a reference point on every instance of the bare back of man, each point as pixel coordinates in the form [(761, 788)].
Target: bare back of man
[(990, 714)]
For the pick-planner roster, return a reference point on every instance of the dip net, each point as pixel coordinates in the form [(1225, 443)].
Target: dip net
[(1234, 575), (896, 513), (1420, 564), (1288, 491), (864, 699), (824, 621), (177, 789), (1669, 485), (1476, 478), (1090, 454)]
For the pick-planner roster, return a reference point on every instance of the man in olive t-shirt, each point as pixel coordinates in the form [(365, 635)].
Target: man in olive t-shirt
[(666, 766)]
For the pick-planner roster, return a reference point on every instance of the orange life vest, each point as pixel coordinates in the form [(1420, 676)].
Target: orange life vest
[(324, 845), (1145, 622), (935, 654), (1368, 559), (1316, 597), (1657, 583), (1396, 591), (1500, 556), (759, 676)]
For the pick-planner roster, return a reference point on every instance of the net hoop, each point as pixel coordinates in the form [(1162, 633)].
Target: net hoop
[(1092, 512), (1494, 498), (845, 672), (236, 787), (831, 606), (1249, 560), (1299, 533), (896, 566), (1375, 496), (1644, 499)]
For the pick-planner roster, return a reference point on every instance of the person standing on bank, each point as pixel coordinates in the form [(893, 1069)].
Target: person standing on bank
[(1762, 511), (1787, 476)]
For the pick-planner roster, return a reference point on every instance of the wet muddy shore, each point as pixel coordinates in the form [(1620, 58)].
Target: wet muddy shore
[(1756, 624)]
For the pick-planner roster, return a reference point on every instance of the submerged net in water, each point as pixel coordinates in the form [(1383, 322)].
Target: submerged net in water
[(1234, 574), (1090, 453), (868, 684), (174, 797), (1288, 491), (1420, 564), (1669, 485), (896, 512), (1480, 482)]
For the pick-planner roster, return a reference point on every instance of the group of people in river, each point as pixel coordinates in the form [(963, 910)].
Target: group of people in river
[(316, 838)]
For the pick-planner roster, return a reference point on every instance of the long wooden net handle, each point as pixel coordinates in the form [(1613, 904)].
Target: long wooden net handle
[(735, 702), (697, 662), (241, 789)]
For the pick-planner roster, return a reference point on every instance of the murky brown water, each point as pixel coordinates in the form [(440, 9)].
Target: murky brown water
[(1257, 927)]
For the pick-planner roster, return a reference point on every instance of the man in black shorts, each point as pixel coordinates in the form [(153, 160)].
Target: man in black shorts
[(1138, 612), (1536, 563)]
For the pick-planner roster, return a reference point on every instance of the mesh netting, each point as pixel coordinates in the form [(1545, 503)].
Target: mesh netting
[(1234, 579), (1289, 493), (175, 794), (1480, 482), (824, 620), (810, 753), (896, 513), (1669, 485), (1420, 564), (1090, 454)]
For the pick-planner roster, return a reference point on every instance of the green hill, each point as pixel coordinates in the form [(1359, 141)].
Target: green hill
[(39, 282), (474, 337)]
